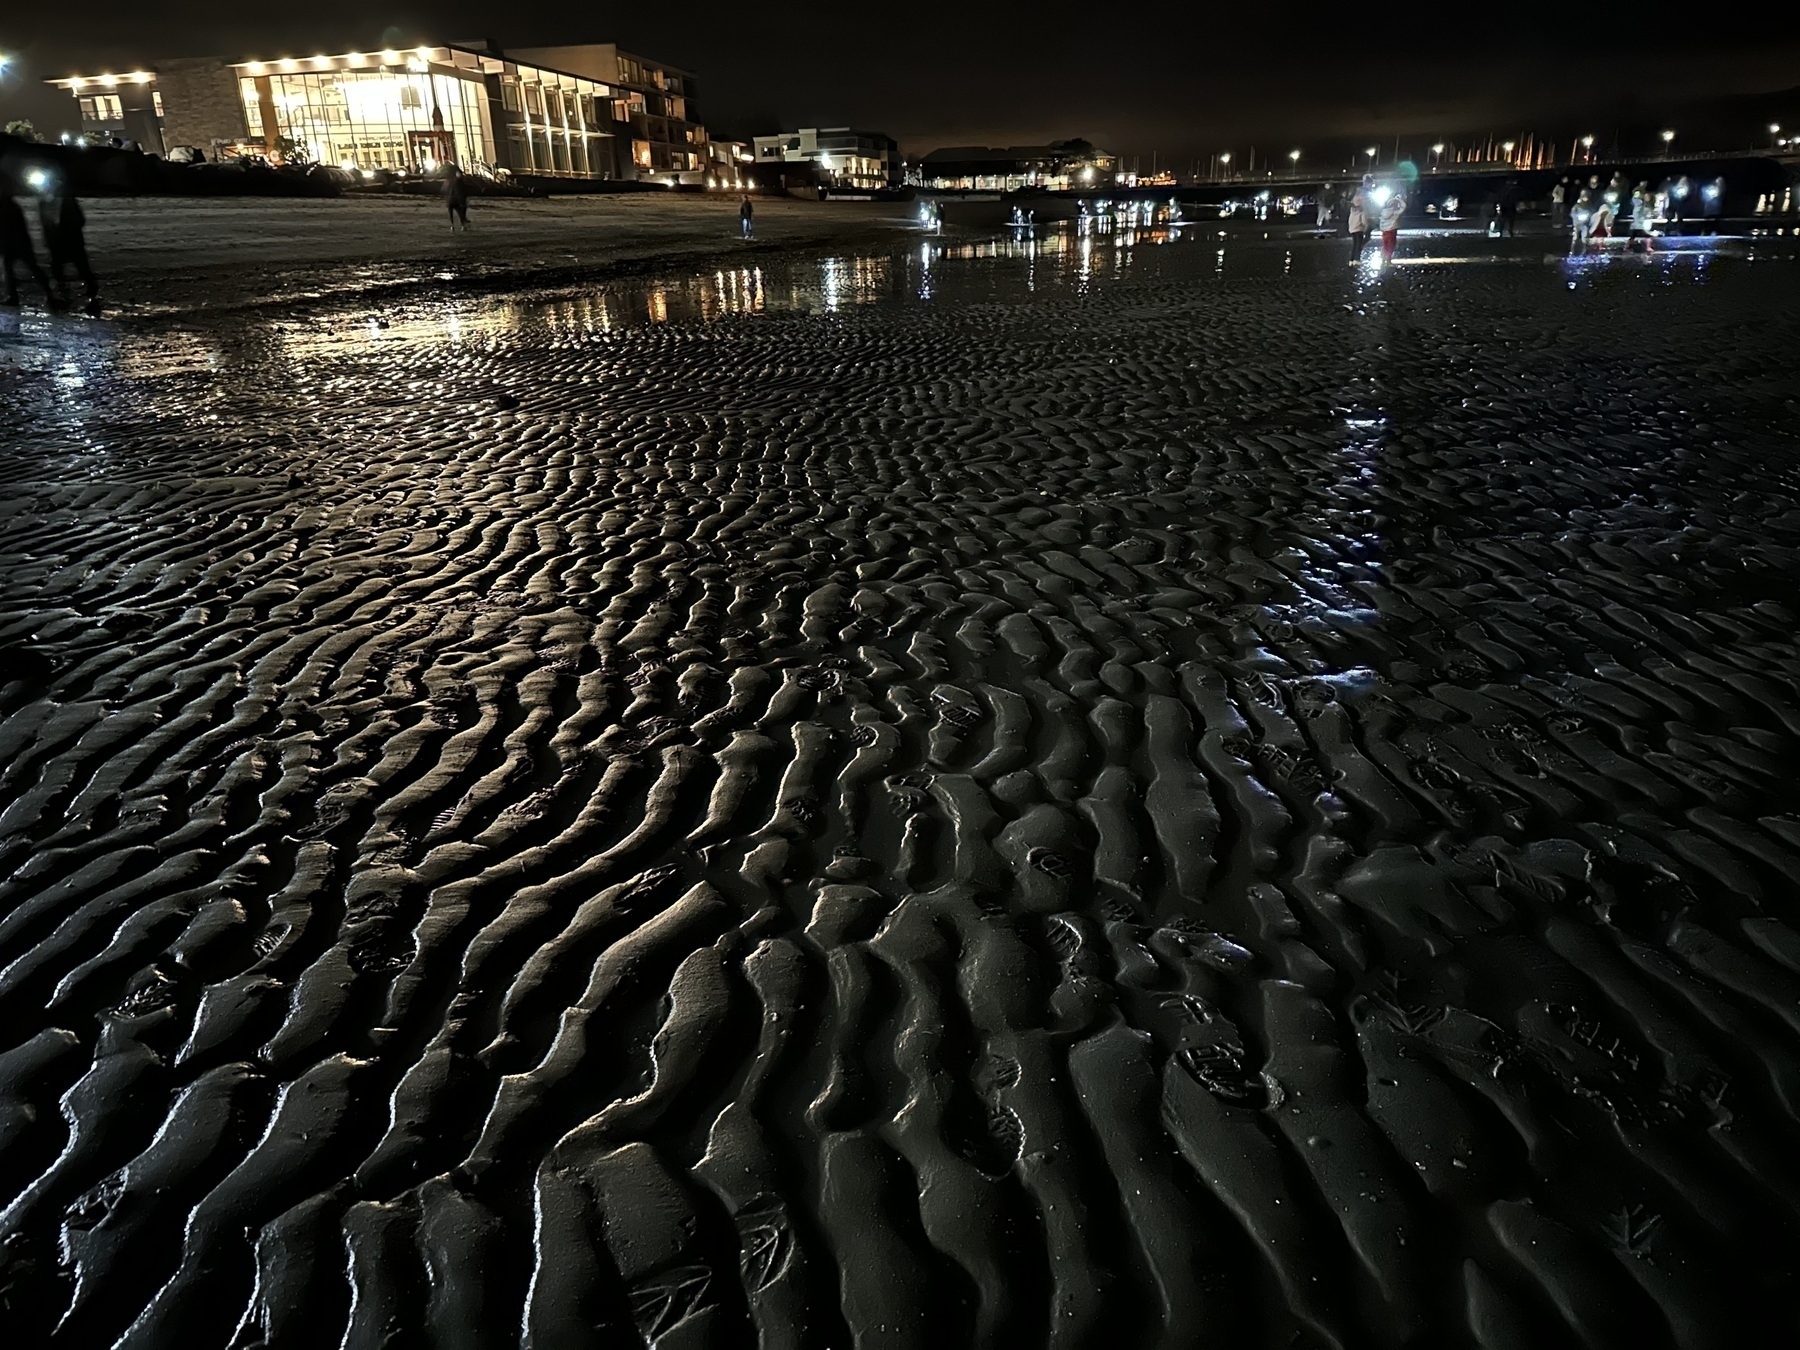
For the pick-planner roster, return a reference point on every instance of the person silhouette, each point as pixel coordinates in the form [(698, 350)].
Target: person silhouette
[(16, 251), (456, 197), (747, 217), (64, 224)]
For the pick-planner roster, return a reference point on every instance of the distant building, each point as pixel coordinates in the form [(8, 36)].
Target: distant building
[(841, 157), (1061, 164), (653, 99), (728, 163), (560, 112)]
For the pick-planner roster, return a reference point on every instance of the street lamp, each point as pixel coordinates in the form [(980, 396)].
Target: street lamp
[(1225, 164), (1294, 158), (1668, 136), (1370, 152), (1774, 127), (1587, 144)]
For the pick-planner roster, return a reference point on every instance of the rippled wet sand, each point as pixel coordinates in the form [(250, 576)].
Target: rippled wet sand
[(1130, 791)]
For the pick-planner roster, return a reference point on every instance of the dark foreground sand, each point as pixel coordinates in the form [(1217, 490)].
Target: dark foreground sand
[(1158, 794)]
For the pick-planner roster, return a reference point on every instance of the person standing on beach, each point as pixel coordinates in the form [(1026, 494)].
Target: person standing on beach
[(747, 217), (1391, 211), (1357, 219), (1559, 198), (1643, 217), (16, 250), (456, 197), (64, 224)]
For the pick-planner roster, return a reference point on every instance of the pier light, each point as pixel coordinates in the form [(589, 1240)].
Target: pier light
[(1294, 155), (1667, 137), (1371, 152), (1507, 146), (1587, 142), (1774, 127)]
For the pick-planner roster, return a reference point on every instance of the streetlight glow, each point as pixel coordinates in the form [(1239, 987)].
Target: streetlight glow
[(1668, 136), (1294, 155)]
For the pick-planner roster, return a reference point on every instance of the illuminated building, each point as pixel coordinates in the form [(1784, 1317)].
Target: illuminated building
[(552, 112), (840, 156), (127, 107), (1061, 164)]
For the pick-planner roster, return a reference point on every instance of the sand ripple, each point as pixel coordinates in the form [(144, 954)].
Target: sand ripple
[(1192, 810)]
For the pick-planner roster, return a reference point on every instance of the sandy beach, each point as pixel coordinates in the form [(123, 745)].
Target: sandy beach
[(160, 255), (1141, 789)]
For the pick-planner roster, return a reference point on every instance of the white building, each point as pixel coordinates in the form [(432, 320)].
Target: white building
[(840, 156)]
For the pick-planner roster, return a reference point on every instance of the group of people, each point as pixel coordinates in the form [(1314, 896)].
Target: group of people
[(64, 227), (1382, 204), (1594, 213)]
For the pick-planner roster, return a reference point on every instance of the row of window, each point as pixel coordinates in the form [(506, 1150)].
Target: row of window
[(555, 105)]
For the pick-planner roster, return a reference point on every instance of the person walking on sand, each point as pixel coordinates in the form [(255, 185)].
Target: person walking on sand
[(1391, 210), (1559, 201), (456, 197), (1600, 227), (1356, 220), (1643, 218), (1509, 210), (64, 224), (747, 217), (16, 250)]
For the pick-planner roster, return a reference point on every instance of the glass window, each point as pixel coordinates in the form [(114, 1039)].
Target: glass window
[(559, 146), (534, 100), (509, 95), (409, 96)]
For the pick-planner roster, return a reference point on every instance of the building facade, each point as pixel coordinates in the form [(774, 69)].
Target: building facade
[(841, 156), (1057, 166), (653, 104), (413, 111), (126, 108)]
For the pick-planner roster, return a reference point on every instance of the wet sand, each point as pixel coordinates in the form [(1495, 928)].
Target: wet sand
[(163, 255), (1141, 791)]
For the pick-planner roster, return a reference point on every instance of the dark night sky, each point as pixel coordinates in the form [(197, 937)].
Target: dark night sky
[(1178, 79)]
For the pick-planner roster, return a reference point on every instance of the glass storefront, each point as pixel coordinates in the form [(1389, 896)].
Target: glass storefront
[(413, 112), (387, 119)]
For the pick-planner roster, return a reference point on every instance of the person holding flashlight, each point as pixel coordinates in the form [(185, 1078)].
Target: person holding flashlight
[(1393, 206), (15, 248)]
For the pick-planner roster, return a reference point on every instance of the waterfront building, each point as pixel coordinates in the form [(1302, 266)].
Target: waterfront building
[(841, 156), (1059, 165), (552, 114), (728, 163)]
